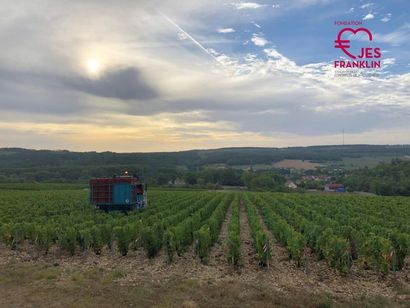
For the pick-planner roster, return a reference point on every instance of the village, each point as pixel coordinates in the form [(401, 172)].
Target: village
[(294, 177), (319, 179)]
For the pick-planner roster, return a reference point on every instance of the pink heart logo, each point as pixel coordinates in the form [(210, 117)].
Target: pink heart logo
[(344, 44)]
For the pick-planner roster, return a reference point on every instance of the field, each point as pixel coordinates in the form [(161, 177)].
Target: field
[(369, 161), (285, 163), (204, 248), (297, 164)]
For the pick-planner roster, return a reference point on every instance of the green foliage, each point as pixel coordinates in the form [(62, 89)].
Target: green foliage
[(6, 234), (336, 250), (44, 238), (84, 238), (68, 239), (152, 239), (97, 242), (183, 233), (123, 238), (209, 232), (342, 229), (385, 179), (170, 244), (260, 238), (263, 248), (292, 240), (234, 235), (203, 237), (263, 181), (401, 246), (106, 233), (295, 244), (191, 219), (159, 168), (377, 252)]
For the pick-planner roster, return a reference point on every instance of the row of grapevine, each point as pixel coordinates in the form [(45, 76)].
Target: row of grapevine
[(383, 244), (207, 235), (181, 235), (370, 242), (260, 237), (340, 235), (287, 236), (152, 236), (319, 235), (234, 234), (344, 230), (80, 226)]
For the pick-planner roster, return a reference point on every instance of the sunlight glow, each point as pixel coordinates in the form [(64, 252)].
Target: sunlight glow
[(93, 66)]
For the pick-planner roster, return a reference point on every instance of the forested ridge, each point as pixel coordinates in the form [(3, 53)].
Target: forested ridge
[(64, 166)]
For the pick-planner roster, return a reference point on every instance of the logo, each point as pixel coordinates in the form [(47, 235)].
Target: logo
[(369, 56)]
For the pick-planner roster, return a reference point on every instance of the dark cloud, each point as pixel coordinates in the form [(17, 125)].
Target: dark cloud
[(50, 93), (125, 84), (39, 93)]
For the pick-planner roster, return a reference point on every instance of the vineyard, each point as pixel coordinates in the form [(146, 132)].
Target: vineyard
[(348, 246), (343, 230)]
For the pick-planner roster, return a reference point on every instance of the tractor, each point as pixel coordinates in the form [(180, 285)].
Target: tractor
[(118, 193)]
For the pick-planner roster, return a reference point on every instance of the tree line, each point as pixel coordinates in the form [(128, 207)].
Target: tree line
[(385, 179)]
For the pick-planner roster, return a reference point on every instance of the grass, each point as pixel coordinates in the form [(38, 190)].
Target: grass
[(21, 274), (402, 288), (84, 276), (375, 302), (44, 285), (118, 273)]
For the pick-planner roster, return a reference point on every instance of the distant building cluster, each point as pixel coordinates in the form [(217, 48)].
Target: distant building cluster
[(335, 188), (318, 179)]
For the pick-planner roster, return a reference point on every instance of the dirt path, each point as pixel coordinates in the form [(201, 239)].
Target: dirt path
[(280, 264), (219, 251), (248, 255)]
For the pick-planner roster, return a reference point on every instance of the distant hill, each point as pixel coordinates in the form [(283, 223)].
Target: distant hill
[(23, 158), (42, 165)]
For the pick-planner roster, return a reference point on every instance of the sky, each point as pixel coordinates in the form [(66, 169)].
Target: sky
[(147, 76)]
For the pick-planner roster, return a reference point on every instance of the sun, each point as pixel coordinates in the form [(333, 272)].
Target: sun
[(93, 66)]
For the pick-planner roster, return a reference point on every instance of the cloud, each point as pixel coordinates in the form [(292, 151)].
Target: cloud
[(388, 62), (125, 84), (225, 30), (368, 16), (161, 88), (256, 25), (248, 5), (396, 38), (386, 18), (259, 40), (367, 5), (298, 4)]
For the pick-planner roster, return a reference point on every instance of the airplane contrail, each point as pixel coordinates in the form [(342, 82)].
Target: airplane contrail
[(190, 37)]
